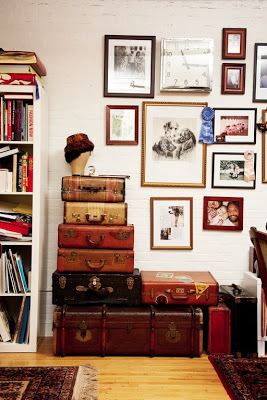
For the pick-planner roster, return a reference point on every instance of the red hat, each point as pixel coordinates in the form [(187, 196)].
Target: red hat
[(77, 144)]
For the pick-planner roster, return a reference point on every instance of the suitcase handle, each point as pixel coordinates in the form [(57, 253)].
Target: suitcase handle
[(98, 243), (178, 296), (102, 292), (92, 189), (97, 267), (95, 219)]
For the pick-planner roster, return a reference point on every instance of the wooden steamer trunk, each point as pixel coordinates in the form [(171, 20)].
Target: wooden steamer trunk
[(84, 213)]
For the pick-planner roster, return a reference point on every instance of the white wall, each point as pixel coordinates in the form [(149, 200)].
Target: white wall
[(68, 36)]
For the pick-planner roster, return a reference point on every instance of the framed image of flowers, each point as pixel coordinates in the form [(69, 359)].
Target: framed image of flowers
[(233, 78), (260, 73), (171, 223), (223, 213), (234, 43), (122, 125)]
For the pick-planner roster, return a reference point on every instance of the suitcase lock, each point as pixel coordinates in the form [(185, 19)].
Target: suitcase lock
[(173, 335), (95, 218), (83, 334)]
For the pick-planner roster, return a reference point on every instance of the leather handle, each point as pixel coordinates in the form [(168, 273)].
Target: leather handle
[(97, 267), (95, 219), (177, 296), (95, 243), (102, 292), (92, 189)]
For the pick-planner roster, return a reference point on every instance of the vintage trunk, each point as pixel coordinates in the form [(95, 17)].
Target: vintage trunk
[(179, 287), (81, 288), (219, 331), (94, 236), (147, 330), (93, 188), (244, 320), (95, 260), (84, 213)]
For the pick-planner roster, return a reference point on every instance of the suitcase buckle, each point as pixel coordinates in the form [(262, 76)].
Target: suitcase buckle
[(95, 283), (173, 335), (83, 334)]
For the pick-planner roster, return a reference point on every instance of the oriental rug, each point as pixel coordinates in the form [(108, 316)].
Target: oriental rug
[(243, 378), (53, 383)]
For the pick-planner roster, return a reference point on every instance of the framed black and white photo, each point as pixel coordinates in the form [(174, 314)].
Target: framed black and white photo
[(233, 78), (129, 66), (122, 125), (235, 125), (234, 43), (234, 170), (260, 73)]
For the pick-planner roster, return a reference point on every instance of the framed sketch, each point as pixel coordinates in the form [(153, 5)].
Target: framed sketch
[(264, 149), (234, 43), (234, 170), (260, 73), (129, 66), (233, 78), (171, 153), (122, 125), (223, 213), (171, 223), (235, 125)]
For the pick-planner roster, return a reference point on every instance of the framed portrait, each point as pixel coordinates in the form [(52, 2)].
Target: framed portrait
[(122, 125), (171, 223), (235, 125), (234, 43), (264, 149), (223, 213), (171, 153), (234, 170), (129, 66), (260, 73), (233, 78)]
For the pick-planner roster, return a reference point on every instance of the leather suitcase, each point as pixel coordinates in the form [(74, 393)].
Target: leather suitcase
[(106, 330), (100, 237), (84, 288), (84, 213), (179, 287), (93, 188), (244, 320), (219, 331), (95, 260)]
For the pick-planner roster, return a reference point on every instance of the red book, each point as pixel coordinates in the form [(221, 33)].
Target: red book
[(17, 79), (30, 173), (15, 226), (9, 120), (25, 172)]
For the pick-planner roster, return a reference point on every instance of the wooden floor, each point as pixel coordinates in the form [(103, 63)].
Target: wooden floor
[(136, 378)]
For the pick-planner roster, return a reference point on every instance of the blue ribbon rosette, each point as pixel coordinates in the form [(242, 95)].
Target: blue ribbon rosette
[(206, 133)]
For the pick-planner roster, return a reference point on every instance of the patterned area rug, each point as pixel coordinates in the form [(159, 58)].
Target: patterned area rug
[(53, 383), (243, 378)]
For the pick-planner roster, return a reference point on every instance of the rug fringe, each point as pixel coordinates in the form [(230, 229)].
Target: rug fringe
[(86, 386)]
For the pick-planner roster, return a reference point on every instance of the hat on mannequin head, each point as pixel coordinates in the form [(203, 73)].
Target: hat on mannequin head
[(77, 144)]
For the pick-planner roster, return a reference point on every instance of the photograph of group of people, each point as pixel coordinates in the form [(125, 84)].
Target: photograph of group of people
[(130, 61), (234, 126), (172, 222), (232, 170), (222, 213)]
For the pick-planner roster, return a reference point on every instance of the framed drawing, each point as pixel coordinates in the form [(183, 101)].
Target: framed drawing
[(260, 73), (235, 125), (171, 221), (171, 153), (233, 170), (234, 43), (122, 125), (223, 213), (129, 66), (264, 149), (233, 78)]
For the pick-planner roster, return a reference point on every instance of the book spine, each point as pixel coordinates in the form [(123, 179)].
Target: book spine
[(30, 173), (19, 173), (5, 121), (1, 119), (30, 122), (24, 172), (17, 79), (9, 120), (18, 119), (13, 119), (22, 274), (14, 176), (25, 319), (19, 320), (24, 230)]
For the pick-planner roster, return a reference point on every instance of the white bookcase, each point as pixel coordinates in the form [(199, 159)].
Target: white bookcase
[(32, 252)]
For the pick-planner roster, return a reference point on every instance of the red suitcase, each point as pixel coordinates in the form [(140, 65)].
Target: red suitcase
[(179, 287), (94, 236), (219, 332)]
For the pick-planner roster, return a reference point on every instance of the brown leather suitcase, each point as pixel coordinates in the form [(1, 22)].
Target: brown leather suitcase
[(95, 260), (84, 213), (219, 331), (93, 188), (106, 330), (94, 236), (179, 287)]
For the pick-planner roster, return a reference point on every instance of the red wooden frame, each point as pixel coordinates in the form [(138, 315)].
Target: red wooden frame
[(225, 200)]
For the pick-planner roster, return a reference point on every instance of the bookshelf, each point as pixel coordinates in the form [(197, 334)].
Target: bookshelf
[(32, 251)]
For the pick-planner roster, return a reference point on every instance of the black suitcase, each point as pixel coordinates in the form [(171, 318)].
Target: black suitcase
[(86, 289), (243, 308)]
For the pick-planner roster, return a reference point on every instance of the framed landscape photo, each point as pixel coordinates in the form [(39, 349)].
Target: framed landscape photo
[(129, 66), (223, 213), (234, 43), (171, 223), (264, 149), (235, 125), (233, 170), (233, 78), (122, 125), (260, 73), (171, 153)]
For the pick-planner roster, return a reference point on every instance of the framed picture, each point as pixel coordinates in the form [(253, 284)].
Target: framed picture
[(122, 125), (264, 149), (129, 66), (233, 78), (171, 153), (235, 125), (234, 170), (260, 73), (223, 213), (234, 43), (171, 223)]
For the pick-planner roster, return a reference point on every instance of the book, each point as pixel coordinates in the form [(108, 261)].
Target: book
[(18, 119), (14, 170), (5, 329), (30, 174), (19, 320), (2, 118), (25, 172), (9, 120), (18, 260), (23, 57), (30, 122), (16, 226), (16, 270), (9, 234), (9, 152), (18, 96), (17, 79), (5, 148), (24, 322), (3, 179)]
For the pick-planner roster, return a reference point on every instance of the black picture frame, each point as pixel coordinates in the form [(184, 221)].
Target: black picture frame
[(260, 73)]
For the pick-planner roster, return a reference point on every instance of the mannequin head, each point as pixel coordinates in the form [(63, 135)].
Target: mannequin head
[(77, 152)]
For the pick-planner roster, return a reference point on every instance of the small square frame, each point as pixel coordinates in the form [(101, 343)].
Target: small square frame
[(236, 206), (234, 43), (121, 125), (233, 78)]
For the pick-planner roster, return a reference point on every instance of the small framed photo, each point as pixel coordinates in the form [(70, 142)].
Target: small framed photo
[(234, 43), (235, 125), (129, 66), (233, 78), (122, 125), (264, 149), (260, 73), (223, 213), (171, 223), (234, 170)]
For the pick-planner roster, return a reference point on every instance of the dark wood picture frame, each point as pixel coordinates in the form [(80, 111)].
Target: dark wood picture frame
[(260, 73), (210, 203), (234, 43), (233, 78), (127, 131)]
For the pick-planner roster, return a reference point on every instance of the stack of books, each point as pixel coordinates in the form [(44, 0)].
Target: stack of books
[(11, 331), (15, 223)]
